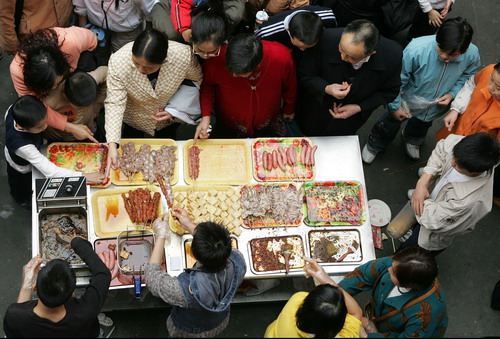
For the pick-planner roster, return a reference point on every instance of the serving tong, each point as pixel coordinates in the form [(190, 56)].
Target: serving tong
[(286, 252)]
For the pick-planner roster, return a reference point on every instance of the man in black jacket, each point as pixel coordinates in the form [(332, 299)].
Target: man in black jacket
[(350, 72), (57, 313)]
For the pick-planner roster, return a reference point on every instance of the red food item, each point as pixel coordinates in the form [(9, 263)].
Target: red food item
[(275, 159), (296, 142), (53, 158), (54, 149), (79, 165), (289, 156), (194, 162), (303, 155), (313, 151), (294, 154), (79, 148), (281, 163), (307, 156), (269, 161), (272, 143), (114, 272), (264, 160)]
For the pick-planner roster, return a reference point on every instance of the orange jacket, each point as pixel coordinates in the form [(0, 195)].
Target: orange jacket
[(482, 113)]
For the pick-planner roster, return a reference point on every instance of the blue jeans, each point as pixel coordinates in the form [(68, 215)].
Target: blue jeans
[(386, 129)]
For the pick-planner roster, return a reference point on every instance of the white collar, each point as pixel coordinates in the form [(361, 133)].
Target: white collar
[(288, 18), (358, 65)]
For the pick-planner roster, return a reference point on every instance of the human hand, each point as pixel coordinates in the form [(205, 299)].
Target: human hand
[(161, 228), (400, 115), (94, 178), (344, 112), (313, 269), (112, 158), (30, 272), (80, 132), (368, 326), (339, 91), (182, 216), (445, 100), (162, 115), (450, 119), (446, 9), (288, 117), (187, 35), (434, 18), (203, 129), (418, 197)]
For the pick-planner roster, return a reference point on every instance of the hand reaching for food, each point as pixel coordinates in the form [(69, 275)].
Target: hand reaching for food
[(313, 269), (182, 216), (161, 228)]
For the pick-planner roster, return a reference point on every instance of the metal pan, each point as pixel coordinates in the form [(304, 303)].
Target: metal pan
[(134, 251)]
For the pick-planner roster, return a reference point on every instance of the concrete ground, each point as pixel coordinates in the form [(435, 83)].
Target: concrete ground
[(468, 269)]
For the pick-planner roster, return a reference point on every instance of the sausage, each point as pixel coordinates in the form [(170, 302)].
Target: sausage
[(281, 163), (289, 153), (269, 161), (112, 259), (101, 256), (114, 272), (105, 254), (264, 160), (313, 151), (307, 156), (284, 156), (303, 154), (275, 159), (294, 154)]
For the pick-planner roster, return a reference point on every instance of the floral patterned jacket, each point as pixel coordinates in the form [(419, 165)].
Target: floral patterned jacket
[(426, 319)]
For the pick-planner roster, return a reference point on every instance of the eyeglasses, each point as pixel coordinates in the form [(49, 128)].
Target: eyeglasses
[(205, 54)]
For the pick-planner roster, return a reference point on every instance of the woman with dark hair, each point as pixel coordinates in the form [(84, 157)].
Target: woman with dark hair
[(326, 312), (142, 76), (407, 300), (209, 33), (174, 17), (44, 58)]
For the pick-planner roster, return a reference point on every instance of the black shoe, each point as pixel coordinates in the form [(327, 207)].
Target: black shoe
[(495, 297)]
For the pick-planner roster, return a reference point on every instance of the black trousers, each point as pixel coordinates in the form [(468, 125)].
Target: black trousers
[(20, 185)]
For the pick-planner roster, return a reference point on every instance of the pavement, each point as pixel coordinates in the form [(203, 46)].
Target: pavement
[(468, 269)]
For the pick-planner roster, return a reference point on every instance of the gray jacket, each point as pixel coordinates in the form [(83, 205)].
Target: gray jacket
[(458, 206)]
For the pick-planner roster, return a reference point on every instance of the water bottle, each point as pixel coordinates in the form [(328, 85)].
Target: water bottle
[(260, 18)]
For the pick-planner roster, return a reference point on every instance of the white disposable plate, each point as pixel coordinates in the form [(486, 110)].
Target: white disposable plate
[(380, 213)]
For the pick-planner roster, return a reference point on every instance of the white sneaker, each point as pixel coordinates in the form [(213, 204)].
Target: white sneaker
[(367, 156), (410, 193), (412, 150), (104, 321), (420, 171)]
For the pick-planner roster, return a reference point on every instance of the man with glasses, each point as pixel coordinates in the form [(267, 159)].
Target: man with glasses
[(345, 77)]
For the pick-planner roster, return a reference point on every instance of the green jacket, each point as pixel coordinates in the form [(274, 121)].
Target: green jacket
[(426, 319)]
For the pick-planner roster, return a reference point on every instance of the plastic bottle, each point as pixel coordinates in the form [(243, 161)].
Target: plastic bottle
[(260, 18)]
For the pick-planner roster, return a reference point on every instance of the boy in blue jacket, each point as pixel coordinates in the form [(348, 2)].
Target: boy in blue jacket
[(434, 68)]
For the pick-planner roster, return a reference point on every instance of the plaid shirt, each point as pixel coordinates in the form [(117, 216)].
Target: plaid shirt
[(132, 99)]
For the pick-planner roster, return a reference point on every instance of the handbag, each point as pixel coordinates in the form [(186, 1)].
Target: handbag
[(370, 306)]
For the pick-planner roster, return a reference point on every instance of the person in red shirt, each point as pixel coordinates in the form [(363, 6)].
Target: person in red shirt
[(249, 85)]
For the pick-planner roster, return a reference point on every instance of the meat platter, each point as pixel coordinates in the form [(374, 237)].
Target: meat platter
[(217, 161), (81, 157), (271, 205), (141, 159), (110, 213), (204, 203), (331, 247), (283, 159), (58, 226), (267, 256), (333, 203), (189, 259)]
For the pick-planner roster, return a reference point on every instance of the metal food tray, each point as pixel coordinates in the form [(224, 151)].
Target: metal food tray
[(119, 178), (341, 245), (61, 210)]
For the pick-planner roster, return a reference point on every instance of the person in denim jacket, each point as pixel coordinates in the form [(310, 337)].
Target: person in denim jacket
[(201, 296)]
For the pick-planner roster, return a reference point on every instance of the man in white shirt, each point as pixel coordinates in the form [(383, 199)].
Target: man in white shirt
[(454, 192)]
